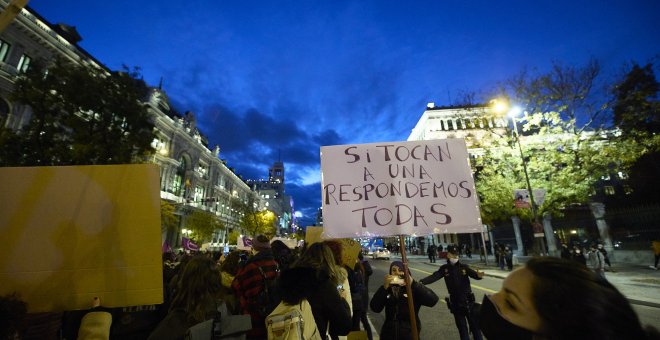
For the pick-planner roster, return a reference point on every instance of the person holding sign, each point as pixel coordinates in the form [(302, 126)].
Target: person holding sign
[(461, 299), (392, 297)]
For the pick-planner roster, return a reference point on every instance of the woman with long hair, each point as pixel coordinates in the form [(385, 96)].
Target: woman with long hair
[(316, 278), (195, 299)]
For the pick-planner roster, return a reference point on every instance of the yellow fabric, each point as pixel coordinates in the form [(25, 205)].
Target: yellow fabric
[(656, 247), (95, 326), (226, 279)]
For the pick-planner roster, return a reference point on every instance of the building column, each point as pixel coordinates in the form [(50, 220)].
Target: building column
[(598, 210), (549, 235), (516, 229)]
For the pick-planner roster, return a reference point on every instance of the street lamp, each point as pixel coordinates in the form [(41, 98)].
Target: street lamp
[(501, 106)]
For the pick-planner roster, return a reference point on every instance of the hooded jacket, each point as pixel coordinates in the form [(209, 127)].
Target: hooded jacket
[(300, 283), (397, 316)]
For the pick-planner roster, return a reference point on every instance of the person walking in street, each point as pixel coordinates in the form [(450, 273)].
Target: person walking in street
[(596, 261), (508, 257), (607, 258), (431, 251), (359, 297), (461, 301), (656, 252), (500, 256), (392, 297)]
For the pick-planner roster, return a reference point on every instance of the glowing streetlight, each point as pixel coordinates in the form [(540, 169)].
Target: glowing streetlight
[(502, 106)]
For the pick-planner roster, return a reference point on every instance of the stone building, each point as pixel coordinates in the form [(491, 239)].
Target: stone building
[(193, 177), (272, 192)]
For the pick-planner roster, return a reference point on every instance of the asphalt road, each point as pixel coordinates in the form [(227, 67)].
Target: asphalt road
[(438, 322)]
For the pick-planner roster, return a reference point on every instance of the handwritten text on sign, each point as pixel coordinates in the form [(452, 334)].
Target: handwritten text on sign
[(383, 189)]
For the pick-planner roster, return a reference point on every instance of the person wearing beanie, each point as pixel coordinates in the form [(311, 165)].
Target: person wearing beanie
[(393, 298), (461, 301), (260, 243), (259, 272)]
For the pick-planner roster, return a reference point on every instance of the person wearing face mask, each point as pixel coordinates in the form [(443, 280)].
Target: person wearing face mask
[(392, 296), (552, 298), (607, 258), (461, 299)]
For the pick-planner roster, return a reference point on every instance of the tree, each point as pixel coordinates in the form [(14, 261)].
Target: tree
[(80, 115), (567, 146), (637, 114), (253, 220), (637, 109), (168, 219), (232, 238), (203, 224)]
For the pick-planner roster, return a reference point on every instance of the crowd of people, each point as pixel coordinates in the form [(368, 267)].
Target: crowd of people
[(548, 298)]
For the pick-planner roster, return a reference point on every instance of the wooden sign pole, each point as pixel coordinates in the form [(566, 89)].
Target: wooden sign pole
[(408, 279)]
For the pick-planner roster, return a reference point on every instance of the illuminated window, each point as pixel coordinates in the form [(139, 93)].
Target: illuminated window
[(4, 50), (199, 193), (609, 190), (24, 63)]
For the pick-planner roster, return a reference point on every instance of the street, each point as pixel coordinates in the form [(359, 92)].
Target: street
[(438, 322)]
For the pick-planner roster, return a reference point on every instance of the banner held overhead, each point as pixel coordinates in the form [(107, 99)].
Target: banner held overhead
[(401, 188)]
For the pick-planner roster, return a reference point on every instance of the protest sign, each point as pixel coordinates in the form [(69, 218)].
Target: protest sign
[(73, 233), (402, 188), (349, 251), (313, 235), (244, 243)]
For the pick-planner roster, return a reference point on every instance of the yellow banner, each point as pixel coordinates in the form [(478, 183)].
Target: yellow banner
[(77, 232)]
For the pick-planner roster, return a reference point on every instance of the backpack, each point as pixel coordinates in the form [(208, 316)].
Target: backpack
[(292, 322), (268, 298)]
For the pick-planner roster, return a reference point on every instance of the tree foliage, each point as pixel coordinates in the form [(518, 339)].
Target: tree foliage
[(566, 142), (232, 238), (80, 115), (253, 220), (168, 220), (637, 109), (203, 224), (637, 114)]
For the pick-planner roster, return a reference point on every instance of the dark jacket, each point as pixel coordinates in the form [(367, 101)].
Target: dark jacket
[(301, 283), (247, 285), (397, 316), (457, 277)]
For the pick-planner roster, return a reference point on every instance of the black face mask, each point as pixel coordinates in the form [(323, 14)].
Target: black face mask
[(495, 327)]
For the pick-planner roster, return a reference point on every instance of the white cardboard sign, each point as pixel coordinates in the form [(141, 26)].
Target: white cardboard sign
[(398, 188)]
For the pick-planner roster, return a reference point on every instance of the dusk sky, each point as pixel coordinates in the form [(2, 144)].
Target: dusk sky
[(271, 78)]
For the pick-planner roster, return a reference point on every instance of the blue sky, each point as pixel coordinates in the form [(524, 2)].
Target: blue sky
[(271, 78)]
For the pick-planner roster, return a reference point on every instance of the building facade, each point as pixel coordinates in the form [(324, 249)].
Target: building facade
[(192, 176), (480, 127), (272, 192)]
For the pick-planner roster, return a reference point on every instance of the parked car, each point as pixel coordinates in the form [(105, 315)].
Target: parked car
[(381, 253)]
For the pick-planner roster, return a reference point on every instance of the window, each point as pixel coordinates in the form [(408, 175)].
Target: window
[(609, 190), (199, 193), (24, 63), (4, 50)]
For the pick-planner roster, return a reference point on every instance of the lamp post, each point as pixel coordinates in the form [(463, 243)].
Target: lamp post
[(512, 113), (503, 106)]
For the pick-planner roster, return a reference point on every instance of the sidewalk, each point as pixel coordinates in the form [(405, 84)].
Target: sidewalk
[(640, 284)]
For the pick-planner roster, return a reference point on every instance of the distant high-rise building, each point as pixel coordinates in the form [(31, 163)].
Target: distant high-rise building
[(272, 192)]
